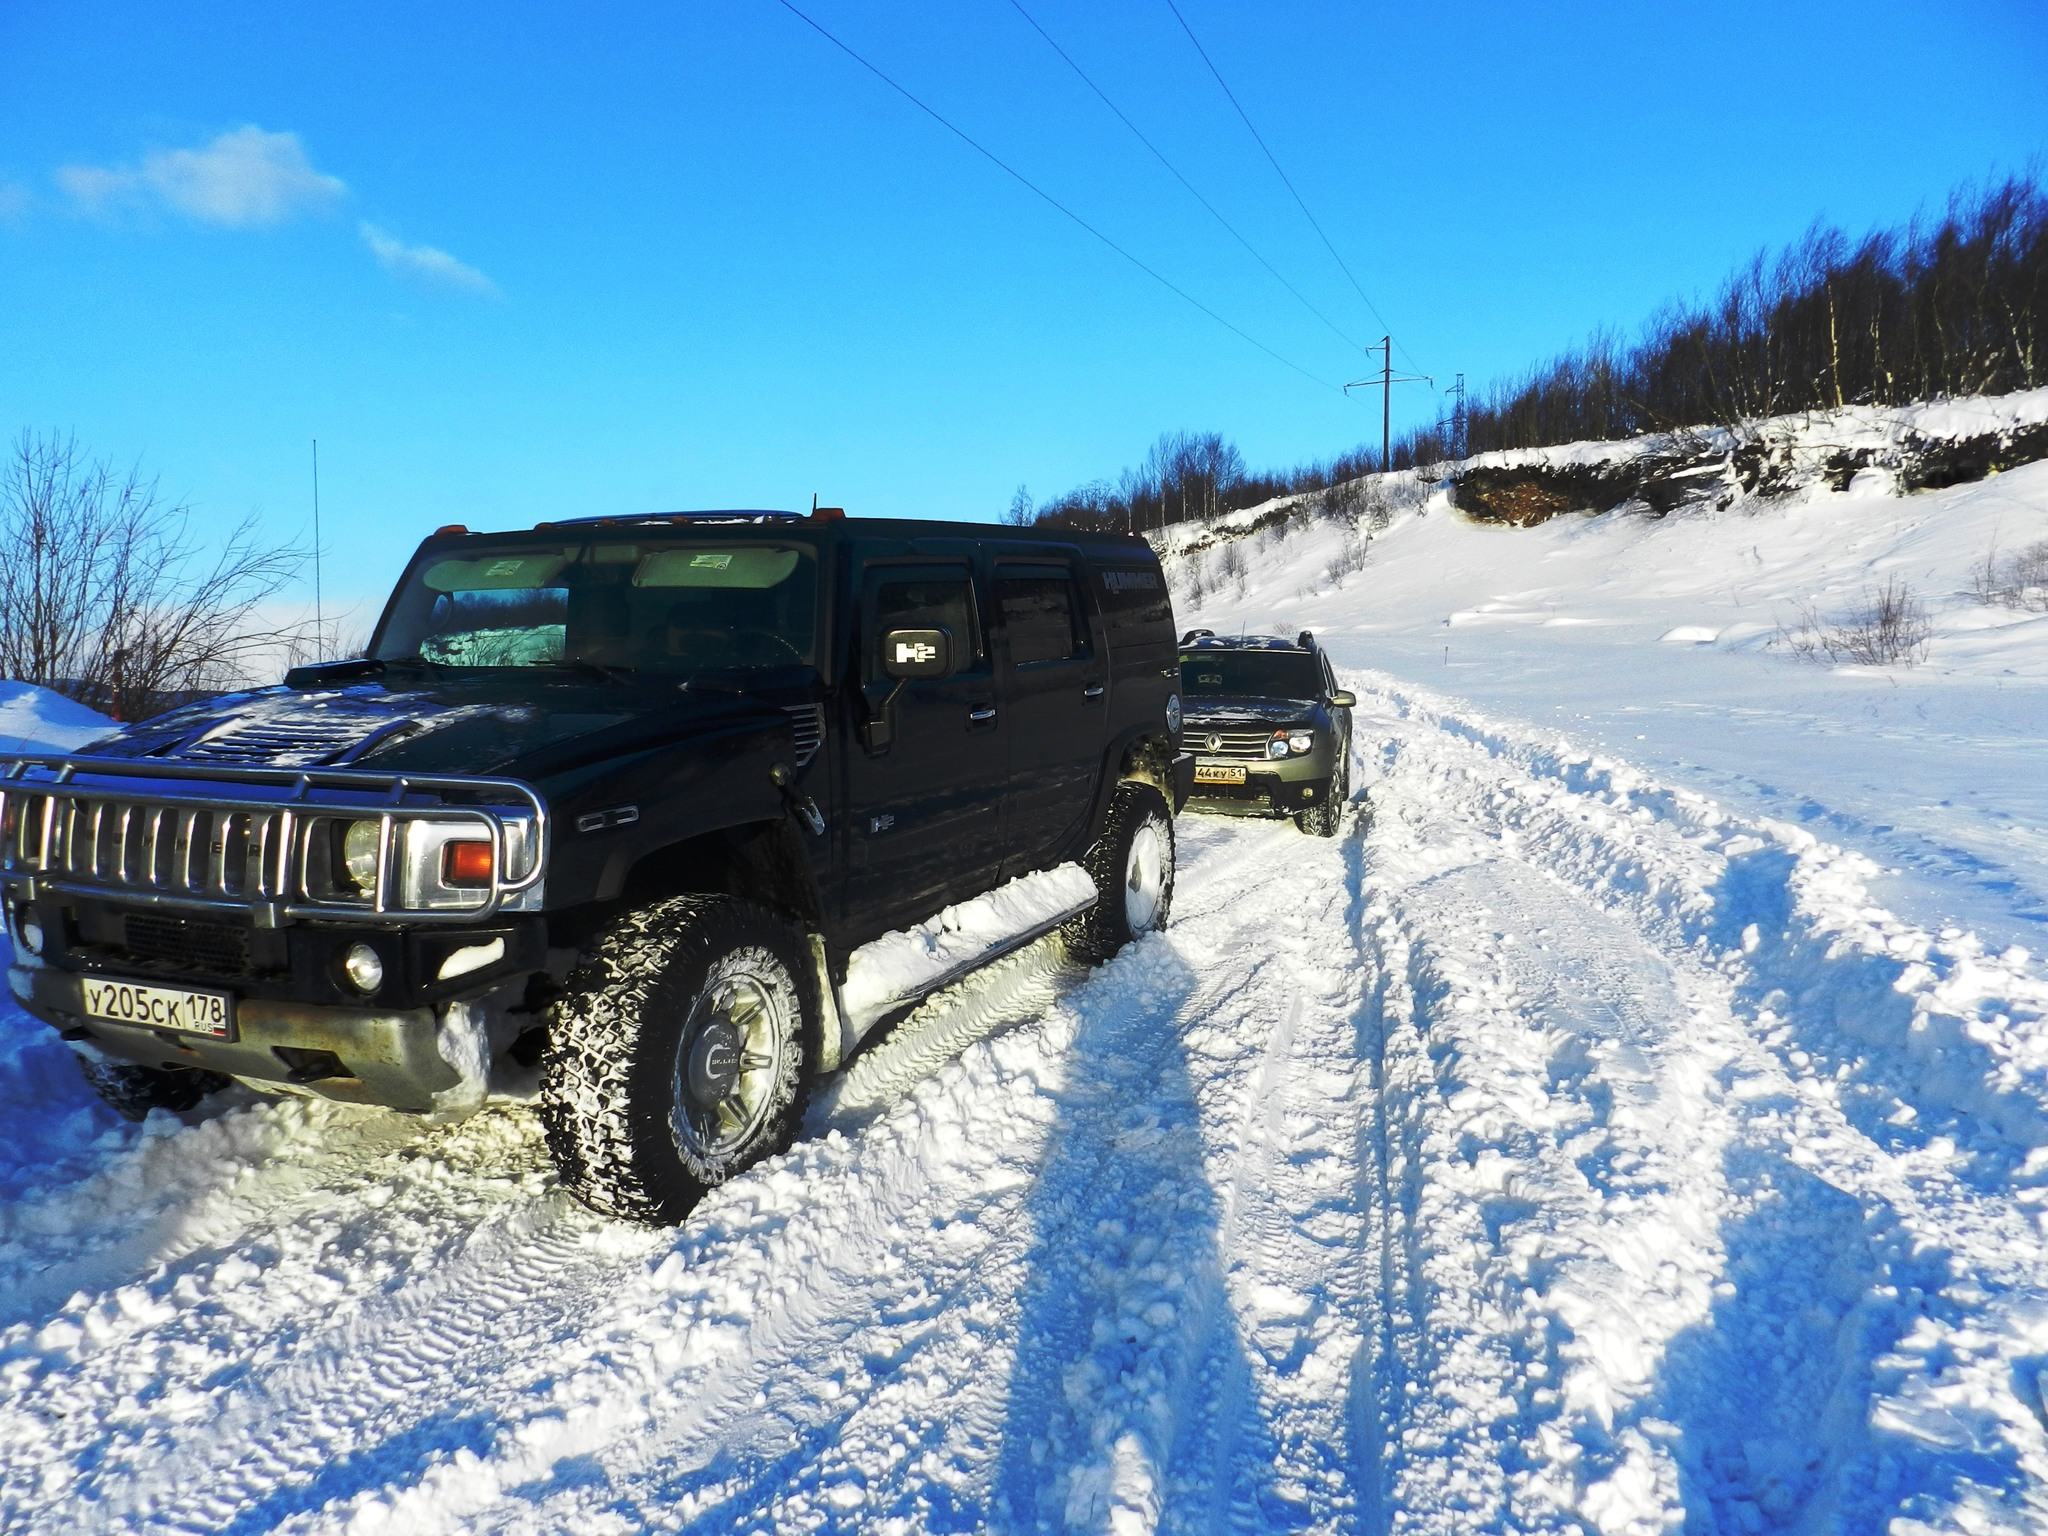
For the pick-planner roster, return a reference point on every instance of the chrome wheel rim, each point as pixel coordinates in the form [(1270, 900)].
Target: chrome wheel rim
[(728, 1060), (1145, 874)]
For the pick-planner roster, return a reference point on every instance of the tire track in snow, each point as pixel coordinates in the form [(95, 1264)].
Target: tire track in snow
[(1670, 1220), (1050, 1383), (1891, 1375)]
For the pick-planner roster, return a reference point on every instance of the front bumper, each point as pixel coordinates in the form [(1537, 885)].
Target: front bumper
[(1263, 793), (389, 1057)]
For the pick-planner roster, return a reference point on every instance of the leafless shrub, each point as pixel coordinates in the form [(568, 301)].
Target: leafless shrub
[(1230, 567), (1187, 579), (1350, 558), (106, 596), (1889, 628), (2018, 580)]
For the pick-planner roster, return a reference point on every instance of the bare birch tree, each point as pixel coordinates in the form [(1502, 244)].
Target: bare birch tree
[(107, 596)]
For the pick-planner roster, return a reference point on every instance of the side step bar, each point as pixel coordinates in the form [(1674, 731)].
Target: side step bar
[(901, 968)]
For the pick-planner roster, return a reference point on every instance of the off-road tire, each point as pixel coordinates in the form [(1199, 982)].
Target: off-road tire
[(609, 1072), (1106, 927), (132, 1091), (1323, 820)]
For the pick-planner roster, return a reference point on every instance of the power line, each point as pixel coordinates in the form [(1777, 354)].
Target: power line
[(1270, 160), (1018, 176), (1160, 156)]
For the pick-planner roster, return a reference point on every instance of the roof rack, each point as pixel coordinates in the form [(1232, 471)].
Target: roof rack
[(1197, 634), (755, 515)]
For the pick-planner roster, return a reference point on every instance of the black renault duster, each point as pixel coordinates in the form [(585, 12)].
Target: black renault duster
[(1270, 728)]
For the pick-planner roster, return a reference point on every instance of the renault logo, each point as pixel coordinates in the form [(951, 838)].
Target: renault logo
[(1214, 743)]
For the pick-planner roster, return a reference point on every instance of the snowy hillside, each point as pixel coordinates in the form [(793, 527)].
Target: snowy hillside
[(1636, 1121), (1657, 640)]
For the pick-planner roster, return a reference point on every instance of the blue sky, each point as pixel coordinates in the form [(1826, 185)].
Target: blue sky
[(517, 262)]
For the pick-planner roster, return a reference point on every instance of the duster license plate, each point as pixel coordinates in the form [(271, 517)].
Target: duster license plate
[(1218, 773), (186, 1010)]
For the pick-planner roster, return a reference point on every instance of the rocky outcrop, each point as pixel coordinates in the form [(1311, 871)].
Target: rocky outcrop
[(1711, 469)]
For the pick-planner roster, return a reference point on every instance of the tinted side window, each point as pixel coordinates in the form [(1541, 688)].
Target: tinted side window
[(936, 599), (1134, 600), (1041, 615)]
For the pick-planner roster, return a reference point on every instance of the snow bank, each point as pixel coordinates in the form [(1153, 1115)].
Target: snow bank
[(34, 719)]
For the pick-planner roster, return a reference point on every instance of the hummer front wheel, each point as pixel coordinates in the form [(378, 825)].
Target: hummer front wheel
[(676, 1059)]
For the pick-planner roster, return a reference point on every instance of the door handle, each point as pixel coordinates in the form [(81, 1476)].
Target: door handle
[(1092, 691), (983, 715)]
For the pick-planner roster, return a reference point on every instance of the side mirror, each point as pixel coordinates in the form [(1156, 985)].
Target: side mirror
[(908, 656), (1343, 698), (916, 655)]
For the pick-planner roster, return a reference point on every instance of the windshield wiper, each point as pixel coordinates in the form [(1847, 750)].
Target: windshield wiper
[(598, 669)]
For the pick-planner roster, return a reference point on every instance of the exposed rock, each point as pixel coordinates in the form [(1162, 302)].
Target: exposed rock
[(1700, 469)]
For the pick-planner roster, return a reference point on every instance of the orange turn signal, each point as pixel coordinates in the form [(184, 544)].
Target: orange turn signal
[(467, 864)]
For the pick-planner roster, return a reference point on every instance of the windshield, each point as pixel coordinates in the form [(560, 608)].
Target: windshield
[(1250, 674), (651, 606)]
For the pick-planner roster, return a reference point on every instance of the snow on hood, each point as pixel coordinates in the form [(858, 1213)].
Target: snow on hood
[(367, 726), (1248, 711), (34, 719), (277, 728)]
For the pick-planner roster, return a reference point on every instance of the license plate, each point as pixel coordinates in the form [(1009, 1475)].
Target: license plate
[(188, 1010), (1218, 773)]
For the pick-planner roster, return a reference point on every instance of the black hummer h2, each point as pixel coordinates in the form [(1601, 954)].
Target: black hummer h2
[(620, 798)]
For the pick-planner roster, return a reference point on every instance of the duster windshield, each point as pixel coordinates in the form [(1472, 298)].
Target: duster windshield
[(1250, 674), (650, 606)]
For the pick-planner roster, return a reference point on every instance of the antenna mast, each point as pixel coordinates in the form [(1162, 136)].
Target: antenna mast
[(319, 606)]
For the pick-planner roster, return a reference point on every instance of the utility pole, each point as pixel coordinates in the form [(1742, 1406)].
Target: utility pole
[(1385, 384), (1457, 438)]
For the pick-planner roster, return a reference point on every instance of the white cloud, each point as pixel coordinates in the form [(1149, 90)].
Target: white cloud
[(243, 178), (425, 262)]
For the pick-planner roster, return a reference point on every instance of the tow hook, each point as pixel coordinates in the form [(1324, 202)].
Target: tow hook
[(803, 807)]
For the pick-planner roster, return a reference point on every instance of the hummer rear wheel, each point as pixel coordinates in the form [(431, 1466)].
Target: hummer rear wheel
[(676, 1059), (1131, 864)]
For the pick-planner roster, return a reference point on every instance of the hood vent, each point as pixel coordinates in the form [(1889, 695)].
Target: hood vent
[(279, 743)]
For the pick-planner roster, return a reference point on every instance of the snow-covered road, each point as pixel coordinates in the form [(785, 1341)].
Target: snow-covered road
[(1553, 1150)]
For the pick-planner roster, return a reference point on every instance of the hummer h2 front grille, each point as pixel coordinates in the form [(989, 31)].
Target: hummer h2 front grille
[(273, 844)]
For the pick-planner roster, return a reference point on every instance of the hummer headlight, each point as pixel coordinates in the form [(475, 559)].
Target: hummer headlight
[(359, 855)]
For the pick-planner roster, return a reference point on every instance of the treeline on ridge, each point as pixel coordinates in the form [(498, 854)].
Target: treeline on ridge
[(1939, 308)]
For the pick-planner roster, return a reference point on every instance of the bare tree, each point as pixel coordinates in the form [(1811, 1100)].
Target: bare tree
[(105, 594)]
